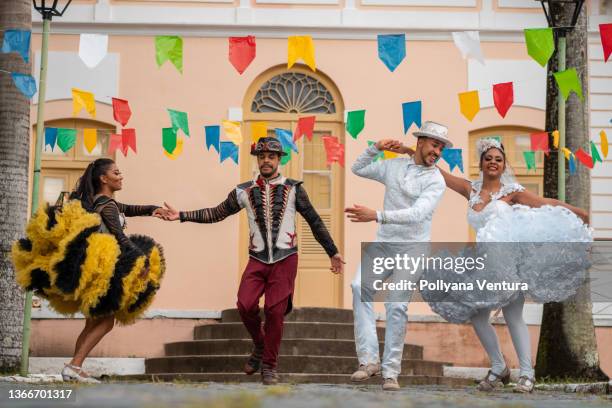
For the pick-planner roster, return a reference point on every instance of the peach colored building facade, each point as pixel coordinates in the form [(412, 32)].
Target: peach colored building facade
[(204, 261)]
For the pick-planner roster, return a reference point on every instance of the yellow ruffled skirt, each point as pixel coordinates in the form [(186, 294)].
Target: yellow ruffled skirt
[(65, 259)]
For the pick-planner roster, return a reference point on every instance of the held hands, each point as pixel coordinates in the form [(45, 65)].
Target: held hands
[(359, 213), (168, 213), (337, 264)]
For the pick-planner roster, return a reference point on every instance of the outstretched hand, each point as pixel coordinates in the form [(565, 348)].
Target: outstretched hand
[(337, 264), (168, 213), (359, 213)]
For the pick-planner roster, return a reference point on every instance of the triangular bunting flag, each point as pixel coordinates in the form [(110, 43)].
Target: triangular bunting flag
[(83, 99), (334, 150), (232, 131), (584, 158), (228, 150), (355, 122), (213, 136), (605, 32), (469, 104), (169, 140), (286, 139), (301, 47), (17, 41), (411, 112), (242, 52), (258, 130), (568, 81), (169, 48), (93, 48), (179, 121), (595, 154), (392, 49), (90, 139), (540, 44), (50, 137), (453, 157), (539, 142), (121, 111), (128, 137), (468, 43), (503, 97), (305, 126), (530, 160)]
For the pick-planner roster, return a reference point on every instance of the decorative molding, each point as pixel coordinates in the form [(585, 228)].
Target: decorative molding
[(423, 3), (300, 2), (526, 4)]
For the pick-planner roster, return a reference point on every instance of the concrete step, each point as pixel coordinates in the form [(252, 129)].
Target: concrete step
[(290, 347), (297, 364), (291, 330), (298, 378), (302, 314)]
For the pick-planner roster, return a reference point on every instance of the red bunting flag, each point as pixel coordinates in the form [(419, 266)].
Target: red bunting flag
[(121, 111), (334, 150), (128, 137), (305, 126), (115, 142), (605, 31), (539, 142), (584, 158), (503, 96), (241, 52)]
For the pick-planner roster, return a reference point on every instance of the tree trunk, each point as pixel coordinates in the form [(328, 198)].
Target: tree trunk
[(567, 346), (14, 170)]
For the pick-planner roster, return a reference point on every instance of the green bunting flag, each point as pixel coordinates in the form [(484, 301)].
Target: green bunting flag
[(355, 121), (595, 154), (530, 160), (285, 159), (169, 47), (66, 139), (169, 139), (540, 44), (179, 121), (568, 81)]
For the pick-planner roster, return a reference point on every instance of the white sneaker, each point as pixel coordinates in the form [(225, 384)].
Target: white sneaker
[(74, 373)]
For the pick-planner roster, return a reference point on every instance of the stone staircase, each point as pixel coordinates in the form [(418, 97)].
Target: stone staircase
[(318, 347)]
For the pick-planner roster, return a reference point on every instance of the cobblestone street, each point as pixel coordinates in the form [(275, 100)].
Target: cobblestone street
[(295, 396)]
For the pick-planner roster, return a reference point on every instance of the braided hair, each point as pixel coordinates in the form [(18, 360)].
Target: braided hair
[(89, 183)]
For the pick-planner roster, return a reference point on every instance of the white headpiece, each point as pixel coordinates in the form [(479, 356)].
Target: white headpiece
[(486, 143)]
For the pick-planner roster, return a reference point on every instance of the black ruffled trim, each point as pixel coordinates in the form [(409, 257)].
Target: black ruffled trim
[(279, 204), (110, 302), (257, 202), (69, 269), (40, 280)]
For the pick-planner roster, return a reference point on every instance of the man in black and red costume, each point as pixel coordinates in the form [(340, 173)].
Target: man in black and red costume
[(271, 202)]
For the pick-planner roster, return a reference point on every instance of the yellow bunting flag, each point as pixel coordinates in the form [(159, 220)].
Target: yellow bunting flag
[(389, 155), (83, 99), (90, 139), (555, 135), (301, 47), (258, 129), (567, 152), (604, 143), (177, 151), (470, 104), (232, 131)]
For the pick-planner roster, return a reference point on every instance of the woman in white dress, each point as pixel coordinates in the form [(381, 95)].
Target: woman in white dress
[(501, 210)]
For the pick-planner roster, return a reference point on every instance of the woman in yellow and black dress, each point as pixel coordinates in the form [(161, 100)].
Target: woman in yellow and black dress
[(80, 260)]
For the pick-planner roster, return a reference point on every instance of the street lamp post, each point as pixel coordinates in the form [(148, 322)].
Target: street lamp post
[(549, 7), (47, 9)]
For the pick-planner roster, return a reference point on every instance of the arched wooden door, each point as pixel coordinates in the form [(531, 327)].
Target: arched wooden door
[(280, 97)]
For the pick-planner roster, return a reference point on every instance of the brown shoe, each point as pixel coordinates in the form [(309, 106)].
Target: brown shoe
[(253, 364), (365, 371), (494, 380), (269, 376), (390, 384)]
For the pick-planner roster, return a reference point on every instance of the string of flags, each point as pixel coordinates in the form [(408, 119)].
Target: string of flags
[(242, 51)]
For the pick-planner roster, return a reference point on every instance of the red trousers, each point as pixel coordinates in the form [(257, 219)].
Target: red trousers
[(277, 282)]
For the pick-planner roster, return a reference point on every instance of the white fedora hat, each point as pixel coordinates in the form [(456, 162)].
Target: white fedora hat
[(435, 131)]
